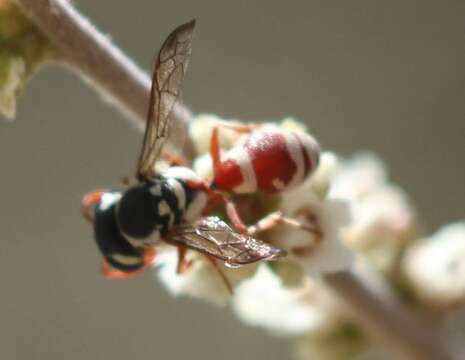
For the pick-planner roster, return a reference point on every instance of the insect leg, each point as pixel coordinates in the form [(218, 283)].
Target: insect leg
[(215, 148), (277, 217), (240, 128), (114, 274), (235, 218), (88, 202), (173, 159), (221, 273), (183, 263)]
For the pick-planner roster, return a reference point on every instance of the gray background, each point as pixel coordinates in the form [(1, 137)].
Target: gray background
[(382, 75)]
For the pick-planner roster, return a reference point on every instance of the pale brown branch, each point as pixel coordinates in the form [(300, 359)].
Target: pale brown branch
[(400, 331), (80, 46)]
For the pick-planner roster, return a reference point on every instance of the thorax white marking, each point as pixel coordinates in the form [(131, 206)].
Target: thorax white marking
[(126, 260), (195, 209), (178, 191), (182, 173), (108, 199)]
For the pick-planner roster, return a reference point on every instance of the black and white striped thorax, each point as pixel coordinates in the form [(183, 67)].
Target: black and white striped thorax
[(148, 211), (126, 223)]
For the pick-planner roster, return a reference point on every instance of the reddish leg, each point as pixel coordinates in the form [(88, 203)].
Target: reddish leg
[(277, 217), (215, 149), (214, 199), (221, 273), (173, 159), (114, 274), (88, 202), (269, 221), (240, 128), (183, 263), (235, 218)]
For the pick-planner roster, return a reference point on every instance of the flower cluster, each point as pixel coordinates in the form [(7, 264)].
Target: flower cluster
[(361, 222), (384, 221), (281, 296)]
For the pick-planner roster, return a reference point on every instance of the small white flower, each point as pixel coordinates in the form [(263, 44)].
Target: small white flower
[(321, 250), (201, 280), (317, 255), (264, 301), (330, 254), (436, 267), (383, 219), (321, 180), (358, 177)]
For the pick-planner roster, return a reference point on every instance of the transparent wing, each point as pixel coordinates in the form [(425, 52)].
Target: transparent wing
[(170, 67), (214, 237)]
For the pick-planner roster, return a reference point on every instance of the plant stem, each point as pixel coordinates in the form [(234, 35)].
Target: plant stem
[(80, 46), (402, 333)]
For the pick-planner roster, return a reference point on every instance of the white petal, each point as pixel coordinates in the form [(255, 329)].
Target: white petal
[(201, 280), (331, 255), (436, 267), (263, 301)]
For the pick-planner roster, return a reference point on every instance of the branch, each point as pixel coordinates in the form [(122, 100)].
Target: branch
[(390, 323), (85, 50), (91, 54)]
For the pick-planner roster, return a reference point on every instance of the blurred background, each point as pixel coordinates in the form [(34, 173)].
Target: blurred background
[(388, 76)]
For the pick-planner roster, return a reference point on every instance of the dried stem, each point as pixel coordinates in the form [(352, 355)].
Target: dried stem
[(80, 46), (84, 49), (403, 334)]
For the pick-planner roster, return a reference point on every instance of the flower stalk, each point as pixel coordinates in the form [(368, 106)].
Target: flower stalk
[(387, 322)]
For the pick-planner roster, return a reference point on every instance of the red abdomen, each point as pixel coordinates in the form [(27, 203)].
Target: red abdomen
[(270, 160)]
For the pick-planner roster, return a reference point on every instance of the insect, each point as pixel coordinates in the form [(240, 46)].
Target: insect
[(168, 206)]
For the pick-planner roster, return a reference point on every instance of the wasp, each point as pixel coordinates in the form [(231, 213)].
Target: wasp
[(170, 206)]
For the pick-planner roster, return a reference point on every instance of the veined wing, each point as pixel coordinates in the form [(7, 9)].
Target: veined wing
[(170, 67), (214, 237)]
